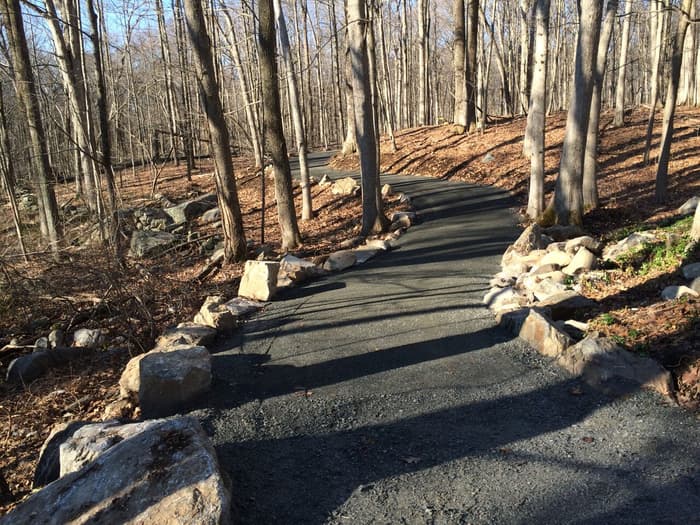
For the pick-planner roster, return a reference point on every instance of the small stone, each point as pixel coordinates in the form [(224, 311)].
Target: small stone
[(497, 298), (488, 158), (187, 334), (542, 269), (405, 217), (242, 307), (339, 261), (557, 246), (119, 409), (583, 261), (364, 255), (691, 271), (387, 191), (88, 338), (191, 209), (57, 338), (259, 281), (502, 280), (325, 180), (377, 244), (695, 285), (41, 344), (212, 215), (676, 292)]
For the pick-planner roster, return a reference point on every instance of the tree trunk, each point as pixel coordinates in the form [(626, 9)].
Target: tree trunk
[(459, 63), (235, 248), (536, 115), (300, 133), (590, 185), (670, 106), (621, 87), (657, 55), (275, 144), (27, 92), (373, 220), (472, 52), (568, 195), (423, 42), (525, 7)]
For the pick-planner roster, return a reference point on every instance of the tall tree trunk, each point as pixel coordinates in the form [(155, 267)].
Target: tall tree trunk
[(590, 185), (27, 92), (459, 64), (275, 144), (231, 219), (657, 54), (621, 86), (299, 132), (373, 220), (525, 9), (568, 194), (661, 189), (423, 43), (536, 115), (472, 52)]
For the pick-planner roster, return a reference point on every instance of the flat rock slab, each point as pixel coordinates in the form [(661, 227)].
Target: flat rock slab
[(163, 471), (339, 261), (191, 209), (187, 334), (241, 306), (145, 244)]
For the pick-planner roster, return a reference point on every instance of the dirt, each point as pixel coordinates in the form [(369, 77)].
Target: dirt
[(631, 310), (132, 301)]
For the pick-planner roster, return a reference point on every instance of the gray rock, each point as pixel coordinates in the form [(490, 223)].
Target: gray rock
[(691, 271), (212, 215), (567, 305), (187, 334), (404, 199), (676, 292), (377, 244), (154, 219), (488, 158), (345, 187), (216, 315), (146, 244), (259, 281), (606, 365), (503, 298), (48, 467), (27, 368), (325, 180), (41, 344), (88, 338), (297, 269), (163, 471), (627, 245), (241, 307), (189, 210), (689, 206), (583, 261), (163, 382), (339, 261), (401, 216), (363, 255), (530, 239)]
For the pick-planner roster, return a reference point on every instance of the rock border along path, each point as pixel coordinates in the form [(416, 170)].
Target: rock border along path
[(388, 393)]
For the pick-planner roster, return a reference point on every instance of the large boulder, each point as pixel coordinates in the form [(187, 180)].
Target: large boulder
[(164, 381), (162, 471), (603, 363), (676, 292), (583, 261), (189, 210), (241, 307), (537, 329), (585, 241), (629, 244), (345, 187), (690, 206), (567, 305), (146, 244), (297, 269), (88, 338), (259, 281), (214, 314), (691, 271), (154, 219)]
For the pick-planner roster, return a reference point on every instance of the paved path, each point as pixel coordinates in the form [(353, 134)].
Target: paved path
[(386, 394)]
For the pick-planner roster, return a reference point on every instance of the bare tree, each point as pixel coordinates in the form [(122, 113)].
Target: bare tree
[(373, 219), (459, 64), (621, 86), (27, 91), (275, 143), (536, 115), (671, 97), (231, 219)]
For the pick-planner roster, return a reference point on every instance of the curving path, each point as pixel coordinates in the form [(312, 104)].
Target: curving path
[(386, 394)]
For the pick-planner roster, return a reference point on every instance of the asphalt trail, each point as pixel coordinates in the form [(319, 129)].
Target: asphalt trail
[(386, 394)]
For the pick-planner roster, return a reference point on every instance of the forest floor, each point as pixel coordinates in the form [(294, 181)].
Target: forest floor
[(630, 308), (132, 301), (137, 299)]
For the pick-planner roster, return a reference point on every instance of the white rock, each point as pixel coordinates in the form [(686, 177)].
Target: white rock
[(497, 298), (387, 190), (676, 292), (164, 381), (88, 338), (259, 281), (345, 187), (584, 260), (572, 245), (689, 206), (325, 180), (340, 261), (538, 330), (627, 245), (162, 471), (556, 258), (377, 244)]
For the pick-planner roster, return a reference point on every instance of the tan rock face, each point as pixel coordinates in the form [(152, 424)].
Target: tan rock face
[(345, 187), (541, 333), (259, 280), (164, 381), (296, 269), (556, 258), (162, 471), (583, 261)]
